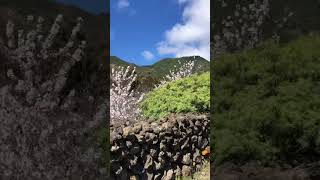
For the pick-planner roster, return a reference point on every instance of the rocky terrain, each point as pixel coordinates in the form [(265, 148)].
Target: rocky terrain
[(159, 150)]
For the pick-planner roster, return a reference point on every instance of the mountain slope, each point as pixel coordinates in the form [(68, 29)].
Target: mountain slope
[(163, 67), (119, 62)]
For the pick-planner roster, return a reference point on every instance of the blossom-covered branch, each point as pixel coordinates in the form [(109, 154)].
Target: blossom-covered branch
[(185, 69), (124, 101), (244, 28), (41, 133)]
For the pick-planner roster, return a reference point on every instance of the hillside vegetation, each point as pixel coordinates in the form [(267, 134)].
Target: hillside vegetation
[(149, 76), (163, 66), (185, 95), (266, 104)]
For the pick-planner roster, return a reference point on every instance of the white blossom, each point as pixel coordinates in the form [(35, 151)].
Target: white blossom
[(10, 35), (30, 18), (11, 75), (185, 69), (38, 125), (245, 27), (53, 32), (124, 101)]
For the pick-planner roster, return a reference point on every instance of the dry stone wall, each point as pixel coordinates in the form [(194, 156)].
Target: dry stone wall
[(159, 150)]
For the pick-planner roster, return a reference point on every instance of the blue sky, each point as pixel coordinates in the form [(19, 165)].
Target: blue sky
[(140, 26), (145, 31)]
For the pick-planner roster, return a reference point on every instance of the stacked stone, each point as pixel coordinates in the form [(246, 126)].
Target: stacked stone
[(159, 150)]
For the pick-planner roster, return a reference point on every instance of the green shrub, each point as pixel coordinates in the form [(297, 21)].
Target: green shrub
[(191, 94), (266, 104)]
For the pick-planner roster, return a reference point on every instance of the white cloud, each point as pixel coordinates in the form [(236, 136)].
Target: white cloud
[(147, 55), (191, 36), (123, 4)]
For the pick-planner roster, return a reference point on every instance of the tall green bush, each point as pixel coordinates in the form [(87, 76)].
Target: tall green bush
[(266, 104), (191, 94)]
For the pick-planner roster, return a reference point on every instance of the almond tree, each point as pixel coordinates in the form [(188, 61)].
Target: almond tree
[(245, 25), (124, 101), (41, 135), (185, 69)]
